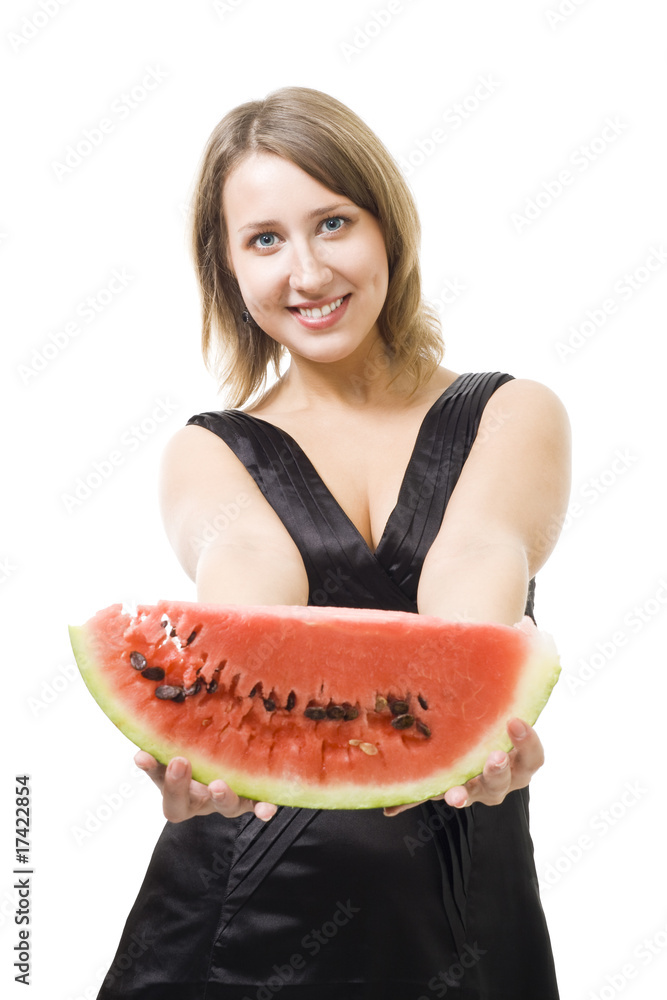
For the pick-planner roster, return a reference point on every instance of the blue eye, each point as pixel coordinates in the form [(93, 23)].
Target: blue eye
[(267, 241), (263, 237), (333, 218)]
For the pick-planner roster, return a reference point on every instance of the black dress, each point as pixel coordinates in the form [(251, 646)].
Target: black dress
[(346, 905)]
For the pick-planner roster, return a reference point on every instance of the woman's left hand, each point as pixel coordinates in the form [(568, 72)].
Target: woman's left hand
[(503, 772)]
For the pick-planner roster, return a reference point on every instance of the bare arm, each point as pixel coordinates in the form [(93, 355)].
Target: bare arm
[(231, 542), (500, 526)]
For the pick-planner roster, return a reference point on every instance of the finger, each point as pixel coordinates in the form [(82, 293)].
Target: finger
[(528, 753), (176, 803), (150, 766), (490, 787), (395, 810), (229, 804)]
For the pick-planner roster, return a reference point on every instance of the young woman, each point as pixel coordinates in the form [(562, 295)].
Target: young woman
[(367, 475)]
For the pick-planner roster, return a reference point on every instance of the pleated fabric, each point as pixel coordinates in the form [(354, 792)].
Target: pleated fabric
[(346, 904)]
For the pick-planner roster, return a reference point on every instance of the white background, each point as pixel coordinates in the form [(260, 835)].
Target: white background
[(557, 80)]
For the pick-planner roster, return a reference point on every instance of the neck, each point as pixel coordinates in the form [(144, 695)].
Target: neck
[(356, 381)]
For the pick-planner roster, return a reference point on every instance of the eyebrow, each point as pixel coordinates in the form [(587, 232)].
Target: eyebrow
[(270, 223)]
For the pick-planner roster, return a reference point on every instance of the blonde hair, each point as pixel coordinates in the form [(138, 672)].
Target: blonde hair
[(328, 141)]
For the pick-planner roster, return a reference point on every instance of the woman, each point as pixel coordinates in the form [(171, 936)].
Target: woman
[(337, 479)]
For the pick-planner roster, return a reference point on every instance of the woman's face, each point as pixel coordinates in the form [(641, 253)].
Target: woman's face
[(294, 243)]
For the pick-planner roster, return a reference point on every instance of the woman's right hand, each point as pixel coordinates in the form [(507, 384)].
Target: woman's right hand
[(182, 797)]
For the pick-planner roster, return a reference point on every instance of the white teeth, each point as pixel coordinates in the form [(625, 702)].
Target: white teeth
[(324, 311)]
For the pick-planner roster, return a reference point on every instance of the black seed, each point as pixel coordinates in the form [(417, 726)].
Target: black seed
[(423, 728), (398, 707), (315, 712), (164, 623), (153, 673), (254, 691), (196, 687), (422, 702), (269, 704), (291, 701), (169, 692), (190, 638), (138, 660), (173, 633), (335, 712), (350, 711), (403, 721), (212, 687)]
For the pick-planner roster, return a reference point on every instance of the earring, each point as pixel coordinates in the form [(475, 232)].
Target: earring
[(245, 316)]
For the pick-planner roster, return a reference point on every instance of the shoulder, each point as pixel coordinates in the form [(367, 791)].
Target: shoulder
[(526, 406)]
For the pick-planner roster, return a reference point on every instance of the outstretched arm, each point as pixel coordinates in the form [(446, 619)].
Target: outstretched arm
[(232, 543), (500, 526)]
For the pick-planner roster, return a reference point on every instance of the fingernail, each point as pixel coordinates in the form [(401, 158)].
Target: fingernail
[(176, 768), (502, 764)]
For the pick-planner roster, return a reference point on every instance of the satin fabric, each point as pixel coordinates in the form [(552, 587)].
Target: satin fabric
[(347, 904)]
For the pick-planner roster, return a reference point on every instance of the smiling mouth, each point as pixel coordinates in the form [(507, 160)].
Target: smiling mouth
[(325, 310)]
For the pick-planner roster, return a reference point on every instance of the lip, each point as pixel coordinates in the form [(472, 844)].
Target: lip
[(322, 322)]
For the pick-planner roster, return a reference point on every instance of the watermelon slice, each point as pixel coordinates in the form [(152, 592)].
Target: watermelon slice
[(321, 707)]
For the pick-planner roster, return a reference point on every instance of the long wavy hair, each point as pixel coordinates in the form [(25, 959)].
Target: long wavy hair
[(328, 141)]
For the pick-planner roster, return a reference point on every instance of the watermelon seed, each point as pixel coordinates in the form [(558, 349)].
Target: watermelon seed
[(315, 712), (269, 704), (423, 728), (153, 673), (422, 702), (403, 721), (355, 743), (190, 637), (350, 711), (380, 703), (368, 748), (195, 689), (138, 660), (173, 633), (399, 707), (335, 712), (169, 692), (254, 691), (206, 722), (212, 686), (291, 701)]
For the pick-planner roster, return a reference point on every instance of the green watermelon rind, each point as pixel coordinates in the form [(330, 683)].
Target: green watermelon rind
[(539, 674)]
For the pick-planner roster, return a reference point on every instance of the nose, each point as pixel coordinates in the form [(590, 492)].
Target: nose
[(309, 270)]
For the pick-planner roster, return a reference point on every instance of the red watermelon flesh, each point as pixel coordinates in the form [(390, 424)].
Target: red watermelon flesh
[(318, 707)]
